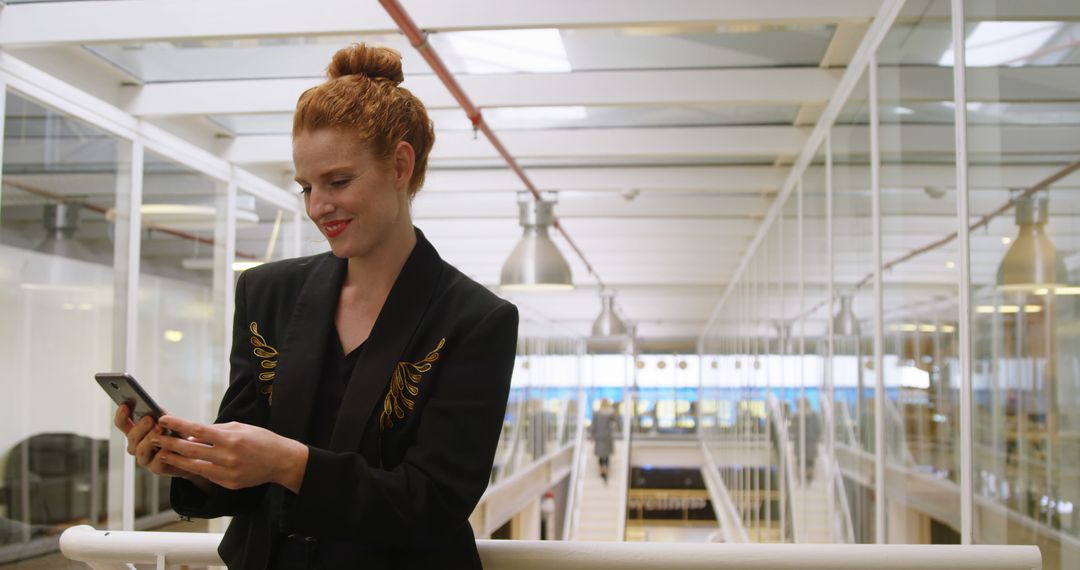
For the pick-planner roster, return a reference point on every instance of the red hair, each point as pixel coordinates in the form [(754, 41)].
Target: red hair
[(363, 95)]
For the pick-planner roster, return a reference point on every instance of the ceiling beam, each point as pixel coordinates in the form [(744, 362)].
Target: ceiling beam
[(704, 142), (764, 86), (761, 86), (176, 20)]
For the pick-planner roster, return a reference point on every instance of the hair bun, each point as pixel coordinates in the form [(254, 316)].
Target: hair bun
[(370, 61)]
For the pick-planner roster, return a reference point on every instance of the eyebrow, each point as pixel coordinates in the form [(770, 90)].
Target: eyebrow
[(331, 172)]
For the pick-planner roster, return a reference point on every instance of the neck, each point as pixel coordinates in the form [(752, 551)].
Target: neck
[(376, 272)]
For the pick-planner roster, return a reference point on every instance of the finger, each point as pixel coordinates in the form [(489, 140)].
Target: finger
[(159, 467), (194, 466), (188, 428), (138, 432), (122, 418), (147, 449), (187, 448)]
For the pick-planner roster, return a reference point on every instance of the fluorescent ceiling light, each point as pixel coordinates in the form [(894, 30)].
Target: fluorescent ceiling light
[(1003, 43), (505, 51), (189, 216)]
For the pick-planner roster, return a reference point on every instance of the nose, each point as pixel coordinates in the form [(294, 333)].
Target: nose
[(318, 204)]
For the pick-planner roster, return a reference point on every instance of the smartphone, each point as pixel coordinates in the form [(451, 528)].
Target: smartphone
[(123, 389)]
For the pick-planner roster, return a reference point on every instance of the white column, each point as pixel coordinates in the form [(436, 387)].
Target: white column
[(879, 302), (830, 421), (527, 522), (127, 247), (967, 499)]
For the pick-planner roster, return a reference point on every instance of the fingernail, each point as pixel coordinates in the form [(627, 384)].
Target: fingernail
[(155, 442)]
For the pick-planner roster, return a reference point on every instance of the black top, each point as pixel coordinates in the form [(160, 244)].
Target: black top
[(337, 369)]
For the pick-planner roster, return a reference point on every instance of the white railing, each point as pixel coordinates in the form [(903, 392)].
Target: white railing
[(574, 490), (731, 524), (787, 470), (842, 522), (115, 550)]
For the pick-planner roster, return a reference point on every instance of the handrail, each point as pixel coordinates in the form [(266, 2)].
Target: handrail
[(900, 440), (628, 441), (112, 550), (844, 521), (727, 515), (981, 501), (788, 462), (576, 488)]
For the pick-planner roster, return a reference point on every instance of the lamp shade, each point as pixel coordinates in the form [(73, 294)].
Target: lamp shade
[(608, 323), (845, 323), (536, 264), (1032, 262), (61, 222)]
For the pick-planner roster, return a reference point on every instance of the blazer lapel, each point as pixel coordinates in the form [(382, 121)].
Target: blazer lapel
[(394, 328), (300, 364)]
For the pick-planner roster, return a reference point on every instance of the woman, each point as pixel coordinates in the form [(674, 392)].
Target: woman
[(603, 434), (368, 384)]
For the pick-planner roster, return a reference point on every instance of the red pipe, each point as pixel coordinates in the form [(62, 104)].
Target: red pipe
[(418, 39)]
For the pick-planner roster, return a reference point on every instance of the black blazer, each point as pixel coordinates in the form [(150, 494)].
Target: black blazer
[(412, 448)]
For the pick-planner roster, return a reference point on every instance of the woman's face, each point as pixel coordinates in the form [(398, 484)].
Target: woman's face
[(355, 199)]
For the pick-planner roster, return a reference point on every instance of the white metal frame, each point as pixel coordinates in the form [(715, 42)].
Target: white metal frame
[(967, 432)]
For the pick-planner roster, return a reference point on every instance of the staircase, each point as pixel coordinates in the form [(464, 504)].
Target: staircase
[(603, 513), (812, 504)]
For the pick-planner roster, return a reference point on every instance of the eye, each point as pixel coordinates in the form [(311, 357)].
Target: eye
[(305, 189), (340, 182)]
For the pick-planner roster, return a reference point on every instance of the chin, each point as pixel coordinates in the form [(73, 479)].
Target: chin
[(346, 250)]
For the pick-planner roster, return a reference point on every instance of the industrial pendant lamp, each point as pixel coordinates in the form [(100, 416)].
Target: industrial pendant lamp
[(61, 222), (536, 264), (608, 323), (845, 323), (1032, 263)]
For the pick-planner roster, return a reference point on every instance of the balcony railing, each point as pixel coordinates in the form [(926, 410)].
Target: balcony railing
[(113, 550)]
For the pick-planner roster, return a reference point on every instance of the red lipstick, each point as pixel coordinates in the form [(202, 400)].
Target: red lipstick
[(333, 229)]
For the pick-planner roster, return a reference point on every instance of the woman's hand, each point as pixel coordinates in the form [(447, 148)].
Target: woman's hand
[(140, 437), (233, 455)]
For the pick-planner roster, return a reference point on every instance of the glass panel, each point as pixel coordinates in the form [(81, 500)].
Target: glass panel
[(61, 180), (852, 365), (179, 353), (922, 259), (1024, 245)]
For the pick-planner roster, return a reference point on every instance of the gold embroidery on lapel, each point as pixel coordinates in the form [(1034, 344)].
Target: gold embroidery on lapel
[(268, 354), (404, 387)]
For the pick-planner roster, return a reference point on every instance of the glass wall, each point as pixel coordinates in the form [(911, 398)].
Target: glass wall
[(543, 411), (1024, 153), (866, 333), (62, 181), (71, 193)]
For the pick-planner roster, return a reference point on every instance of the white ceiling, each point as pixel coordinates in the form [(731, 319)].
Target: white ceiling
[(666, 127)]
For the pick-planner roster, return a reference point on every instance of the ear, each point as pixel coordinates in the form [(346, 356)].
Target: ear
[(404, 160)]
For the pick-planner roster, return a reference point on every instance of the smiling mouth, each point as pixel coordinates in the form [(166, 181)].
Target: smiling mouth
[(334, 229)]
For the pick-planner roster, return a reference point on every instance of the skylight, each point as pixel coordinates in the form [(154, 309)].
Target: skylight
[(507, 51), (1003, 43)]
